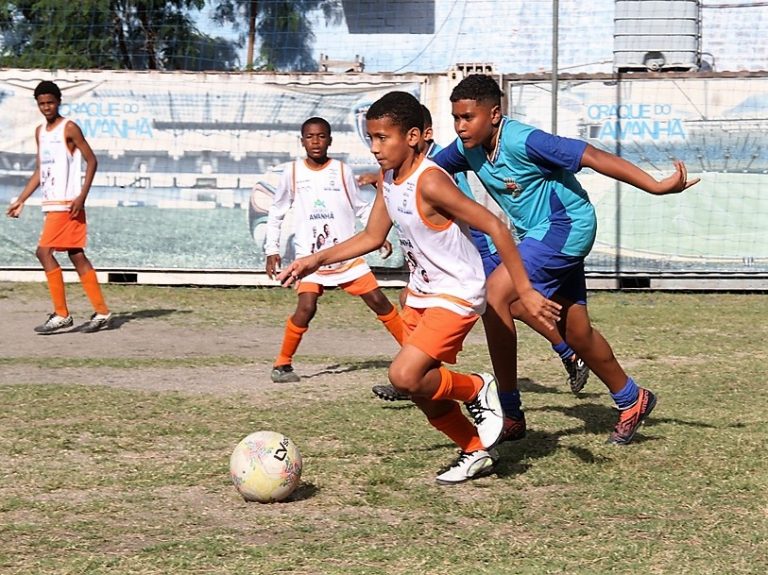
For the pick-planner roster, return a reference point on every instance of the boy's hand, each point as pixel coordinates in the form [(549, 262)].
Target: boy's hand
[(298, 269), (540, 307), (77, 206), (273, 264), (677, 182), (14, 210), (368, 178), (386, 249)]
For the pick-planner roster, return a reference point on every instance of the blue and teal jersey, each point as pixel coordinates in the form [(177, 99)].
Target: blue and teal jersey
[(531, 177), (482, 241)]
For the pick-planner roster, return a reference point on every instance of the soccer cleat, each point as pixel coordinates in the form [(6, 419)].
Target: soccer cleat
[(55, 323), (389, 393), (631, 418), (98, 321), (578, 373), (284, 374), (486, 411), (514, 429), (469, 466)]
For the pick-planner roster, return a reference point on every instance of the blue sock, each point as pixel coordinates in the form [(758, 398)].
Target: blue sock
[(511, 403), (564, 350), (627, 396)]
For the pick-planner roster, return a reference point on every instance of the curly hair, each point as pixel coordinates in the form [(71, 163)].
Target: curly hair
[(316, 121), (48, 87), (478, 87), (402, 108)]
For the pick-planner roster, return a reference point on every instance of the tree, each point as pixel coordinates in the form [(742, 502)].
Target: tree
[(40, 34), (130, 34), (283, 26)]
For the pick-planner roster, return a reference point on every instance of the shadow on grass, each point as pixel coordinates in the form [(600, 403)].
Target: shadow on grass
[(350, 366), (597, 419), (120, 319), (528, 385), (304, 491)]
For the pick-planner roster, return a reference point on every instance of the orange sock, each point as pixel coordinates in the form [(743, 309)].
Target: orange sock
[(458, 428), (458, 386), (58, 295), (394, 324), (291, 341), (93, 291)]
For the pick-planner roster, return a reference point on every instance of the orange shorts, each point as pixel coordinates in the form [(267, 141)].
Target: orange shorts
[(436, 331), (62, 232), (360, 286)]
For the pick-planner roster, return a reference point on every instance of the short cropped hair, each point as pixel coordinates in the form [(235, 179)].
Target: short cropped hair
[(47, 87), (402, 108), (316, 120), (427, 116), (478, 87)]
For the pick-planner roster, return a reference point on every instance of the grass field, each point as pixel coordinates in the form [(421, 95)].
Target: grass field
[(114, 452)]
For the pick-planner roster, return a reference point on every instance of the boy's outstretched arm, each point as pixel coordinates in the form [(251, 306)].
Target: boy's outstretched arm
[(367, 240), (620, 169), (440, 194)]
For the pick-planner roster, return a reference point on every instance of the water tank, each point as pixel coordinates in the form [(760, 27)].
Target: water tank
[(657, 35)]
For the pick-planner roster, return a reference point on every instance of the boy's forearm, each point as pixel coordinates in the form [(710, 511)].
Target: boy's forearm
[(358, 245), (510, 256), (90, 174), (619, 169), (32, 184)]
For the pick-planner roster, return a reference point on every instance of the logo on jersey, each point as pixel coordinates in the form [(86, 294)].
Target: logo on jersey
[(320, 211), (407, 193), (513, 187)]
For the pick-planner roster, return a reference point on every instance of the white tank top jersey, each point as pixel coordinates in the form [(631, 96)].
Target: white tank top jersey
[(446, 268), (326, 205), (60, 170)]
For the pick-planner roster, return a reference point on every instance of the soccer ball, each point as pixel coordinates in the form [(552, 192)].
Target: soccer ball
[(265, 467)]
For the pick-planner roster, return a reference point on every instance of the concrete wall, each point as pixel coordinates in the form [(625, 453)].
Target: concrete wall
[(517, 36)]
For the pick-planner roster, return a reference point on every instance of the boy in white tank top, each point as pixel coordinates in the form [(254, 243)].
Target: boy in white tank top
[(61, 148), (326, 203), (446, 289)]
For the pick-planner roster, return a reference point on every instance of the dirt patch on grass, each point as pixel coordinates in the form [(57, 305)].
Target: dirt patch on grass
[(145, 335)]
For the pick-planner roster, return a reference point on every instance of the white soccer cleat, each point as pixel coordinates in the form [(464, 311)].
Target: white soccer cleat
[(98, 321), (486, 411), (54, 323), (469, 466)]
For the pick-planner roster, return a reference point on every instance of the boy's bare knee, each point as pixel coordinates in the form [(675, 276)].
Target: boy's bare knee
[(402, 379), (377, 301)]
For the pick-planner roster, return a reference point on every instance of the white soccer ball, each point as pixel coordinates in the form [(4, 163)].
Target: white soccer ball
[(265, 467)]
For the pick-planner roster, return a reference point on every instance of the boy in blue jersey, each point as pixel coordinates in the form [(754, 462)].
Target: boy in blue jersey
[(530, 175), (578, 372)]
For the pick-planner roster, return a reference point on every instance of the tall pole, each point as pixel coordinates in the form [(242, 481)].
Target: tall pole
[(252, 10), (555, 26), (617, 186)]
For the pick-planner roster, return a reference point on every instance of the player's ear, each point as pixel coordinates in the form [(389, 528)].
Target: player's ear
[(330, 140), (496, 115), (428, 133), (413, 136)]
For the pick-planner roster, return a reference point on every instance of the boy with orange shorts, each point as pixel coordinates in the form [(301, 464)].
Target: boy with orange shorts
[(327, 202), (446, 288), (61, 148)]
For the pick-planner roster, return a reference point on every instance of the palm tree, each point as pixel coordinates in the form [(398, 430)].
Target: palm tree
[(283, 27)]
